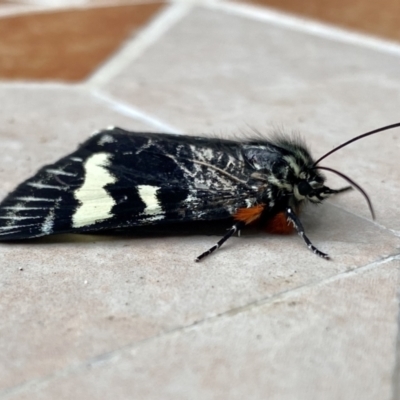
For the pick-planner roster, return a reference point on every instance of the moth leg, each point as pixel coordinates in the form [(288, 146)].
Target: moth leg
[(235, 228), (341, 190), (294, 219)]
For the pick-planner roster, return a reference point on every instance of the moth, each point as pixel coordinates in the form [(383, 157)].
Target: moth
[(120, 180)]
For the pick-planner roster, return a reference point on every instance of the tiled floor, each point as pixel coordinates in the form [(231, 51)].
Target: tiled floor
[(100, 317)]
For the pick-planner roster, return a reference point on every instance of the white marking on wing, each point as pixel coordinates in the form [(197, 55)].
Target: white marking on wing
[(22, 208), (249, 203), (30, 198), (95, 202), (47, 226), (16, 217), (148, 194), (59, 172), (4, 229), (106, 139), (39, 185)]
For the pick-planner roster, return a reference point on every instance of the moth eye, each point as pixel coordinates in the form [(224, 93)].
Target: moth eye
[(304, 188)]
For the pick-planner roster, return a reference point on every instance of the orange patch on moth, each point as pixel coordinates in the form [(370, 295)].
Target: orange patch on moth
[(279, 224), (249, 215)]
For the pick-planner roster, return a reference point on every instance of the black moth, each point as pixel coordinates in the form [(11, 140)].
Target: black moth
[(120, 179)]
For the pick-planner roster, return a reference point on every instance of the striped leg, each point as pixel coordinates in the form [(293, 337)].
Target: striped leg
[(293, 218), (235, 228)]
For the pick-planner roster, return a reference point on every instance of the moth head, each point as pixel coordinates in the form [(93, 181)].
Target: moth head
[(308, 180), (310, 185), (290, 167), (286, 164), (296, 171)]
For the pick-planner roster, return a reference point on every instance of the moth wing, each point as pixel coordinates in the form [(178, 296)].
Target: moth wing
[(115, 180)]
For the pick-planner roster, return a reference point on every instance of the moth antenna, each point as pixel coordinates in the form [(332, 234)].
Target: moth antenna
[(352, 183), (385, 128)]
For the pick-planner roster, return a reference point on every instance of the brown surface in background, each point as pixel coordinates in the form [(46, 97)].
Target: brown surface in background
[(70, 45), (66, 45), (380, 18)]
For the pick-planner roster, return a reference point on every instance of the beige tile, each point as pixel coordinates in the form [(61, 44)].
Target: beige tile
[(333, 341)]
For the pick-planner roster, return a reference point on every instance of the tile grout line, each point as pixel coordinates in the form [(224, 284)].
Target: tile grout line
[(113, 354), (111, 102), (28, 9), (134, 47), (133, 112), (366, 219), (307, 25)]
